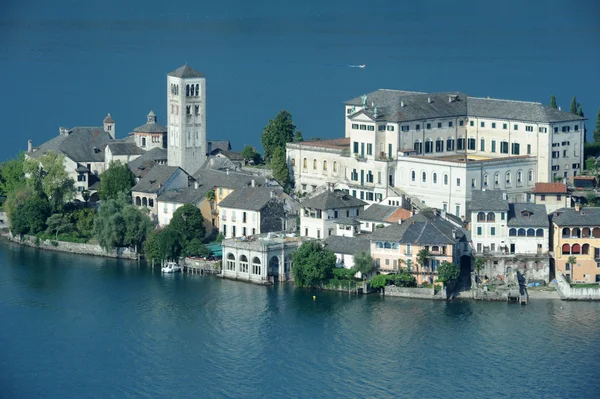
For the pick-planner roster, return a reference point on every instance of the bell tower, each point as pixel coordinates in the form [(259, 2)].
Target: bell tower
[(186, 119)]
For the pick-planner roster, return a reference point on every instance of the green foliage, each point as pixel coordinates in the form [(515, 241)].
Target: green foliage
[(109, 223), (279, 166), (188, 221), (84, 221), (478, 264), (196, 248), (49, 177), (277, 133), (250, 154), (12, 174), (363, 263), (72, 237), (553, 101), (151, 248), (572, 260), (298, 136), (219, 238), (448, 272), (573, 107), (422, 258), (170, 244), (313, 264), (597, 130), (59, 223), (379, 281), (591, 199), (211, 196), (117, 178), (137, 226), (27, 212), (54, 243), (403, 279), (341, 273)]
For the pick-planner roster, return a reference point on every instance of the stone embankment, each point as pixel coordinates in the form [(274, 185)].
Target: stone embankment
[(72, 247), (567, 292), (415, 293)]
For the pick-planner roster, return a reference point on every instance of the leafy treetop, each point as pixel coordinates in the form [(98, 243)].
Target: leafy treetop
[(117, 178), (313, 264), (277, 133)]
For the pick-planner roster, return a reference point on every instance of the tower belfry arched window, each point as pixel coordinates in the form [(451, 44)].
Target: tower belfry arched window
[(197, 89), (187, 90)]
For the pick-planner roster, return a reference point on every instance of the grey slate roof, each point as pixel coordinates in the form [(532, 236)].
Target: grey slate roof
[(83, 144), (122, 148), (152, 127), (337, 199), (419, 229), (347, 245), (218, 163), (188, 195), (186, 71), (377, 213), (488, 200), (419, 106), (538, 217), (587, 216), (250, 198), (347, 221), (231, 180), (108, 119), (144, 163), (214, 145), (155, 178)]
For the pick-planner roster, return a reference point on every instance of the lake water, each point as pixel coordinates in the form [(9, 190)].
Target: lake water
[(69, 63), (75, 326)]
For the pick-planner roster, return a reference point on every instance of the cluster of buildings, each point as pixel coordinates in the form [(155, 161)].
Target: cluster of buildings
[(459, 176)]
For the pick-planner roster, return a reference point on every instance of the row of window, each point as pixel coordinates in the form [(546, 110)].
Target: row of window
[(230, 264), (192, 90), (188, 110), (439, 125), (367, 195), (577, 249), (234, 216), (469, 144), (315, 164), (368, 177), (513, 232), (489, 217), (507, 176)]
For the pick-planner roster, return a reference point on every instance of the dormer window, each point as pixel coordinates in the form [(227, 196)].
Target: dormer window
[(526, 213)]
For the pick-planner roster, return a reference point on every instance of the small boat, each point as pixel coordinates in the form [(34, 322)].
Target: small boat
[(362, 66), (171, 267)]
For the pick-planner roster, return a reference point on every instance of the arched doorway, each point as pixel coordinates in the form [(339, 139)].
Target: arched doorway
[(273, 268)]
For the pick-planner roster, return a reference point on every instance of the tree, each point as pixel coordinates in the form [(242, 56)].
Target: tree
[(277, 133), (169, 244), (137, 226), (211, 196), (84, 221), (196, 248), (422, 259), (189, 223), (49, 175), (313, 264), (298, 137), (572, 261), (109, 224), (478, 265), (117, 178), (379, 281), (448, 272), (573, 107), (58, 223), (12, 174), (27, 211), (250, 154), (553, 101), (363, 264), (597, 130), (279, 166), (151, 247)]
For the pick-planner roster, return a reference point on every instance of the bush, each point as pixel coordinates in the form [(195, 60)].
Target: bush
[(342, 273), (54, 243)]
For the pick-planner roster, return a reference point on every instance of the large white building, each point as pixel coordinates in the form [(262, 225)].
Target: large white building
[(475, 142), (186, 119)]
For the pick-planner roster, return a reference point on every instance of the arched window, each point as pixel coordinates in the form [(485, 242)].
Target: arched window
[(530, 233), (334, 166), (138, 201), (576, 232), (428, 146), (387, 245), (379, 244), (144, 201), (314, 164), (439, 145), (413, 175), (596, 232), (243, 264), (424, 177), (566, 249), (585, 232), (530, 175), (434, 178), (230, 262), (585, 249), (293, 162), (481, 217), (491, 217), (305, 163), (143, 141), (197, 90), (576, 249), (187, 90), (508, 177), (418, 146), (445, 180), (324, 166), (519, 177), (255, 265), (485, 180), (566, 232), (512, 232), (522, 233), (496, 178), (395, 245), (450, 144), (539, 233)]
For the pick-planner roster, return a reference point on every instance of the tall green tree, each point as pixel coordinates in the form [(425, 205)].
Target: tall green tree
[(313, 264), (250, 154), (553, 101), (59, 223), (298, 136), (277, 133), (137, 226), (84, 221), (363, 263), (170, 244), (281, 173), (597, 130), (573, 107), (48, 173), (448, 272), (109, 223), (423, 258), (117, 178), (189, 222), (27, 211), (12, 174)]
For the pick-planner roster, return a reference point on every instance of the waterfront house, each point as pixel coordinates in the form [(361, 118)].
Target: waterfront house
[(576, 233), (377, 215), (170, 200), (319, 213), (345, 248), (255, 210), (397, 245), (159, 179), (553, 195)]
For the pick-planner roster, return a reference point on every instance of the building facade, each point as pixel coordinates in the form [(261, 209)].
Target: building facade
[(553, 196), (186, 119)]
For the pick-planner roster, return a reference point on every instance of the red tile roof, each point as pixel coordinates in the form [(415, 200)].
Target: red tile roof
[(399, 214), (550, 188), (584, 178)]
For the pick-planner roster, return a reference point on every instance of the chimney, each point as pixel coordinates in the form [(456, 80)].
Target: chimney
[(429, 100), (577, 206), (227, 172), (449, 99), (195, 185), (331, 187), (63, 131), (443, 213), (454, 233), (504, 196), (29, 146), (402, 104), (273, 194), (252, 182), (559, 108)]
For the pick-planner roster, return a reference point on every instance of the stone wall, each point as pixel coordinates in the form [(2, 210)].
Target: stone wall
[(419, 293), (72, 247), (532, 267), (567, 292)]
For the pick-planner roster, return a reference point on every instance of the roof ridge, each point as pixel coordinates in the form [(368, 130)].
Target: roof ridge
[(501, 99)]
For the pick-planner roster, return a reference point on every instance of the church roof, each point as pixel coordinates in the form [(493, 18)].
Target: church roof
[(81, 144), (186, 71), (150, 128), (109, 119)]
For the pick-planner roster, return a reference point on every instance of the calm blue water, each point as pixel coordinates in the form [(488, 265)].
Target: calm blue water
[(69, 63), (75, 326)]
